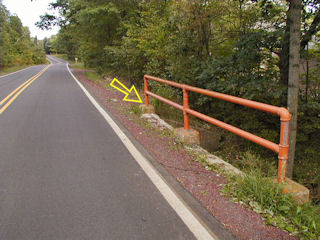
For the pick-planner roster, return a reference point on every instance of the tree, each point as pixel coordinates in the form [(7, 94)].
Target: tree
[(46, 45), (289, 61), (17, 48), (293, 80)]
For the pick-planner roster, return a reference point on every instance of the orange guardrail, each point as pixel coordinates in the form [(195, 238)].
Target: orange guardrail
[(282, 149)]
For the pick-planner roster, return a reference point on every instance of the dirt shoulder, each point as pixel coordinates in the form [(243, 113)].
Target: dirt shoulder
[(204, 185)]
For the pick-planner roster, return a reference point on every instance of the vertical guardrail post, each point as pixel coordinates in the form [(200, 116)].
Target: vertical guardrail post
[(146, 88), (186, 106), (284, 144)]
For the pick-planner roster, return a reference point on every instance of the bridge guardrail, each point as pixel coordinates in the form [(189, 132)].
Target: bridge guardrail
[(282, 149)]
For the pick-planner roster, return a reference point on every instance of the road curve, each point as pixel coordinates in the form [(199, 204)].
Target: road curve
[(64, 174)]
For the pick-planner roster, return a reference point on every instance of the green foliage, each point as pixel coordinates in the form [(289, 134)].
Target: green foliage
[(249, 72), (314, 83), (78, 65), (168, 92), (308, 142), (265, 197), (17, 48), (65, 42)]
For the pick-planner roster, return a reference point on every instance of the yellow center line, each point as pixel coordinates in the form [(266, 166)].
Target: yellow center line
[(14, 91), (20, 89)]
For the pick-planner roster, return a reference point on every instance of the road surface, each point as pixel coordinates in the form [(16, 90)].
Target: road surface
[(64, 172)]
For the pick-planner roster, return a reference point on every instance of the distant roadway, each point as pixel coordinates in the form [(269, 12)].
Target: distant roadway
[(66, 175)]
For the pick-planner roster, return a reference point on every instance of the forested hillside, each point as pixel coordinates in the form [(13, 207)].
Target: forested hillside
[(235, 47), (17, 48)]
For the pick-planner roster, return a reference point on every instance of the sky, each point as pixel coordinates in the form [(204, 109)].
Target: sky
[(29, 13)]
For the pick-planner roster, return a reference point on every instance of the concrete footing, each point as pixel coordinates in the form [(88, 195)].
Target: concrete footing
[(299, 192), (190, 136), (147, 109)]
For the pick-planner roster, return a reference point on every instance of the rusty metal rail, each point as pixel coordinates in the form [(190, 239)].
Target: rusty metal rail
[(281, 149)]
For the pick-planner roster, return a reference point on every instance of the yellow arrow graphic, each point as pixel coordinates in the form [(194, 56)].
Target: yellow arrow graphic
[(126, 91)]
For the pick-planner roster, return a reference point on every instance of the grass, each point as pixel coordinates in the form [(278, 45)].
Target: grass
[(78, 65), (134, 108), (93, 76), (5, 71), (250, 160), (265, 197)]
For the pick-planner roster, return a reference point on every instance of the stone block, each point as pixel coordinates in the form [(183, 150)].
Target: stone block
[(190, 136), (299, 192), (147, 109), (156, 121)]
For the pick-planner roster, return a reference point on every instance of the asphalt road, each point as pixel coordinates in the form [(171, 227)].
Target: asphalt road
[(9, 83), (64, 173)]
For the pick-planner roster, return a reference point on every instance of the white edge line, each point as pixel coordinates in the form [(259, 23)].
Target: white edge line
[(180, 207), (17, 71)]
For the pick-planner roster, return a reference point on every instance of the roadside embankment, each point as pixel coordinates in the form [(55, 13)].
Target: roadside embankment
[(198, 177)]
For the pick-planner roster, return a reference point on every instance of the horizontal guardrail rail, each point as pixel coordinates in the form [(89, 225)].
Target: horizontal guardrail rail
[(282, 149)]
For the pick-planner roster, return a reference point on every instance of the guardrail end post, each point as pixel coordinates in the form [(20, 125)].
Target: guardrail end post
[(282, 166), (146, 89), (186, 106), (283, 154)]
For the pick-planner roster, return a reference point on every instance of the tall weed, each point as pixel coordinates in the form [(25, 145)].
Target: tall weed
[(265, 197)]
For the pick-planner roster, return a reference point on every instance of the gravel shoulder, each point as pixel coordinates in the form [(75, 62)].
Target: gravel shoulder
[(204, 185)]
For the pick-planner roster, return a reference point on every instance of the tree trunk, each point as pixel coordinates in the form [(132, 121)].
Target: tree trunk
[(293, 80), (284, 53), (284, 60)]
